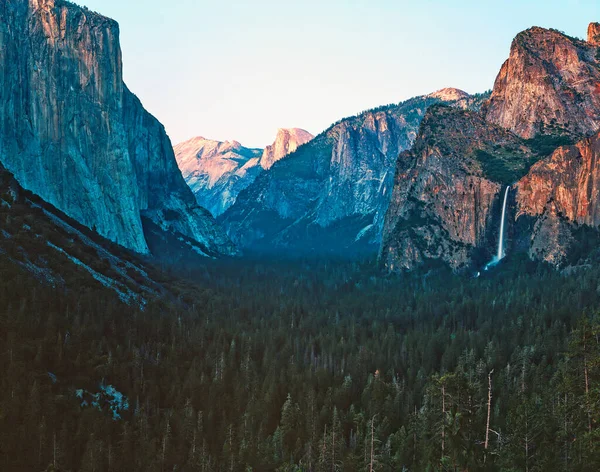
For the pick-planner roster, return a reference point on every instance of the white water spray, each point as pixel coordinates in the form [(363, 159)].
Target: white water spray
[(501, 253)]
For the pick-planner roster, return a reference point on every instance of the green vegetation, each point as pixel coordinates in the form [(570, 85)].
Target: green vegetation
[(496, 168), (507, 165), (545, 144), (306, 366)]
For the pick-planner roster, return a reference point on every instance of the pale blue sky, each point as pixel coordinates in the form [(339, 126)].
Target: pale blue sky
[(241, 69)]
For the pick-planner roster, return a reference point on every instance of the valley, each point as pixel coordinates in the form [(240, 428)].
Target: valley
[(414, 288)]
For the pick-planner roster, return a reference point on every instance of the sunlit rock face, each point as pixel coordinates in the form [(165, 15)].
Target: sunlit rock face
[(449, 94), (550, 83), (446, 197), (558, 194), (332, 193), (286, 142), (218, 171), (446, 207), (594, 34), (71, 131)]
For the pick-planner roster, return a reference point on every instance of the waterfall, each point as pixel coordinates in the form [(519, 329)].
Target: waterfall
[(501, 253)]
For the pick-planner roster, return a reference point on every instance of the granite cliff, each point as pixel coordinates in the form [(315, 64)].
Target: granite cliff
[(332, 193), (447, 190), (550, 84), (446, 202), (286, 142), (557, 200), (72, 133)]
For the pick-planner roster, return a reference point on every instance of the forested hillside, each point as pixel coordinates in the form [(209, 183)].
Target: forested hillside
[(303, 366)]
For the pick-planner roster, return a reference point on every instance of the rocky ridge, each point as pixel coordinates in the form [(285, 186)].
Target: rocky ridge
[(332, 193), (550, 84), (218, 171)]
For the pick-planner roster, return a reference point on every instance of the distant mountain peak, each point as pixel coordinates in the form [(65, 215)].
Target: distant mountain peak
[(449, 94), (286, 142), (217, 171)]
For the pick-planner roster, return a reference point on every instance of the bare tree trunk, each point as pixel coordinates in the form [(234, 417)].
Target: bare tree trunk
[(54, 451), (333, 448), (372, 444), (415, 439), (489, 411), (443, 419), (527, 441), (587, 384), (566, 439), (325, 445), (231, 466)]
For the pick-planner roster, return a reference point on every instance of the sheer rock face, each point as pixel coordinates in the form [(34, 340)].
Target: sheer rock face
[(446, 201), (594, 34), (71, 131), (558, 194), (445, 204), (218, 171), (332, 193), (550, 83), (286, 142)]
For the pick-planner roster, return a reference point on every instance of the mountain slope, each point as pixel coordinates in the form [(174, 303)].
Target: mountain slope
[(71, 131), (218, 171), (332, 193), (59, 252), (549, 84), (447, 196)]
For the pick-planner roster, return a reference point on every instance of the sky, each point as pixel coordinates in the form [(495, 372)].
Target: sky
[(239, 70)]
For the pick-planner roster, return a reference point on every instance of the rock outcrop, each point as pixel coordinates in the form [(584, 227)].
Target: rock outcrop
[(549, 84), (218, 171), (446, 197), (559, 194), (593, 36), (332, 193), (449, 94), (286, 142), (71, 131)]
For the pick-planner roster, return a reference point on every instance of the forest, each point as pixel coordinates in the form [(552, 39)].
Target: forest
[(304, 366)]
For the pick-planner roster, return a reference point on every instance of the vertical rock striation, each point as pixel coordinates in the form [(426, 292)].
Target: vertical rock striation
[(332, 193), (593, 36), (560, 193), (71, 131), (447, 190), (286, 142)]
